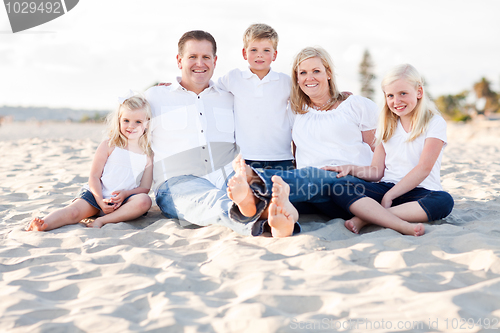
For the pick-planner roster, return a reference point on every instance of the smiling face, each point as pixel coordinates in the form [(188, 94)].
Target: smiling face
[(197, 64), (402, 97), (132, 123), (313, 79), (260, 54)]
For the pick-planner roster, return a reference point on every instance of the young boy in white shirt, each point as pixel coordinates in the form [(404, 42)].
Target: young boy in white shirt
[(263, 122)]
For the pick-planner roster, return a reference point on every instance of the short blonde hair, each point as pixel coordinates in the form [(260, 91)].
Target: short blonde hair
[(116, 138), (260, 31), (299, 101), (422, 113)]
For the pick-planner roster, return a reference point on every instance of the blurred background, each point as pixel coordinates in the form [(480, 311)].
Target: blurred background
[(86, 58)]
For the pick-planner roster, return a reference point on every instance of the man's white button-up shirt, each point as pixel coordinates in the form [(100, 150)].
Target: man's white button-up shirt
[(191, 134)]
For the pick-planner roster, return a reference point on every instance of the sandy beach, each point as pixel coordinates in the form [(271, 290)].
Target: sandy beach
[(153, 275)]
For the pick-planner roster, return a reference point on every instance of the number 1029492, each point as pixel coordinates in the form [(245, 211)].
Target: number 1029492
[(49, 7)]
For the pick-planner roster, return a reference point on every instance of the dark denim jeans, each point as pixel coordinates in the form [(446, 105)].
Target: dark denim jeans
[(311, 190), (280, 165)]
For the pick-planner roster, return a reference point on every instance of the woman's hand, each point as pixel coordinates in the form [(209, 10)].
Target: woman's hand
[(343, 170)]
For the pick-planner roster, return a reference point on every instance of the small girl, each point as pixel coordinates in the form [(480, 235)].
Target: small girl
[(120, 176), (410, 140)]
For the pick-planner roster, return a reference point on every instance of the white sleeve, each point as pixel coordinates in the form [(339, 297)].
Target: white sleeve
[(365, 112), (224, 83), (152, 97), (290, 114), (437, 129)]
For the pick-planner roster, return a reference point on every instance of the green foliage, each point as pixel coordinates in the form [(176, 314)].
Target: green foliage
[(454, 107), (97, 118), (483, 90), (366, 75)]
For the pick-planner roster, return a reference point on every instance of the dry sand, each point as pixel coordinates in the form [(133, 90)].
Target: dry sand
[(152, 275)]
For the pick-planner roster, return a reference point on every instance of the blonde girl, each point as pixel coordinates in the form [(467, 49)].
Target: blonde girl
[(406, 163), (120, 176)]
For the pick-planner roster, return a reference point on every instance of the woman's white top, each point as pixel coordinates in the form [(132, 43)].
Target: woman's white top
[(123, 171), (402, 156), (334, 137)]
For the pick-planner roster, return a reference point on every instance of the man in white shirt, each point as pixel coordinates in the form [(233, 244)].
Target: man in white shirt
[(193, 141)]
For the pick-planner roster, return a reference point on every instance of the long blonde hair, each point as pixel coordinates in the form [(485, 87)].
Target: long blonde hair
[(116, 138), (422, 113), (299, 101)]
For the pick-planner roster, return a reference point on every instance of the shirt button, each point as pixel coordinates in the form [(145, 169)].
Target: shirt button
[(198, 97), (201, 114), (201, 131), (203, 147), (206, 161)]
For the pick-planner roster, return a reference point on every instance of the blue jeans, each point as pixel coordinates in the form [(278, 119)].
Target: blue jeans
[(436, 204), (199, 202), (310, 189), (280, 165)]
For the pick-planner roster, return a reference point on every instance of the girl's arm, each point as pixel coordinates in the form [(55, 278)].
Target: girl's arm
[(369, 138), (428, 157), (371, 173), (100, 158), (144, 186)]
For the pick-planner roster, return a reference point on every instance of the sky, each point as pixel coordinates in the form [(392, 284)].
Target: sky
[(99, 50)]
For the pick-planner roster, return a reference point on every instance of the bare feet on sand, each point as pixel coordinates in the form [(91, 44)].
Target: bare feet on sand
[(37, 225), (95, 224), (418, 230), (238, 189), (282, 215), (355, 224)]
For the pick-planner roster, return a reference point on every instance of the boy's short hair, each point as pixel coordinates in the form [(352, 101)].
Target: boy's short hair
[(260, 31), (198, 35)]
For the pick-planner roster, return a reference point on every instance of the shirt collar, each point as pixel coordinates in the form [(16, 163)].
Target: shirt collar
[(271, 76), (177, 85)]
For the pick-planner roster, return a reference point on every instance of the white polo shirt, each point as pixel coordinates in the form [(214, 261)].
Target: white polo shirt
[(263, 123), (191, 134)]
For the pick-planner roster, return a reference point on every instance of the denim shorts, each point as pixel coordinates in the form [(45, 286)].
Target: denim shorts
[(87, 195), (436, 204)]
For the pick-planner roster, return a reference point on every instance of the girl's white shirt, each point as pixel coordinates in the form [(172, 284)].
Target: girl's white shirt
[(122, 172), (402, 156), (329, 138)]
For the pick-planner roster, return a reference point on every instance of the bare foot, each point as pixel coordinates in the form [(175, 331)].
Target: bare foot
[(238, 189), (281, 221), (37, 225), (419, 230), (281, 194), (282, 215), (410, 229), (355, 224), (95, 224), (238, 162)]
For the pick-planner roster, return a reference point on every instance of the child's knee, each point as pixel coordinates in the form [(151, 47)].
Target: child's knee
[(74, 213), (144, 202)]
